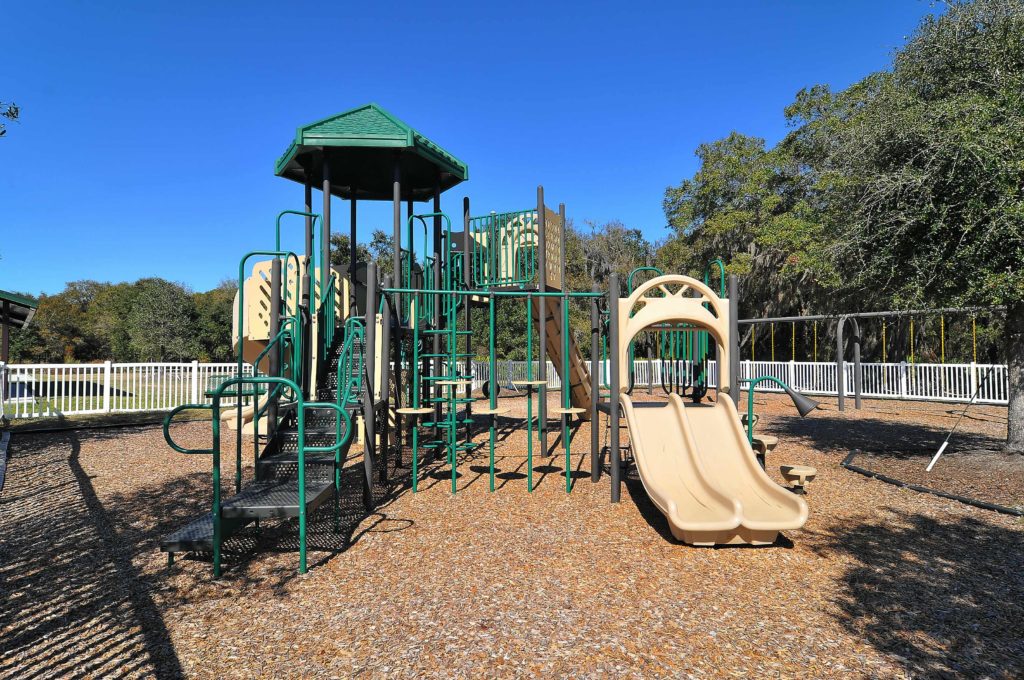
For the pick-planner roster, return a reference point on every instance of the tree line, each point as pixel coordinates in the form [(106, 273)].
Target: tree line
[(149, 320)]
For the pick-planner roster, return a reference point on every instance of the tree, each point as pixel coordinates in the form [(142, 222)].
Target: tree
[(922, 169), (9, 112), (214, 311), (161, 323), (749, 206)]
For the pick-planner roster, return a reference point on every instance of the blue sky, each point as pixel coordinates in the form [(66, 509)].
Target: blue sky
[(150, 130)]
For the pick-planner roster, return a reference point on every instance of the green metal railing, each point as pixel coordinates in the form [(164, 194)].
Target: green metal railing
[(303, 449), (504, 248)]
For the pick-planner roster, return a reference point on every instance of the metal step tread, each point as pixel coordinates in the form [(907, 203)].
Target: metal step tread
[(197, 535), (292, 457), (275, 499)]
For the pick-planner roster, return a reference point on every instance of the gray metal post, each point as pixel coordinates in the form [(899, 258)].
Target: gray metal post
[(325, 231), (5, 348), (385, 374), (396, 263), (613, 398), (542, 316), (369, 418), (734, 339), (353, 253), (467, 279), (275, 328), (857, 378), (435, 362), (595, 389), (307, 324), (840, 376), (567, 378)]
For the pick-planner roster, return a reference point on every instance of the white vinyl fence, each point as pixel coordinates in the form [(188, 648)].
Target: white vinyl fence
[(38, 390), (920, 382)]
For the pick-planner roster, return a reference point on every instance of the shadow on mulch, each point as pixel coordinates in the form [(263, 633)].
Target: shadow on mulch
[(821, 431), (69, 581), (947, 597)]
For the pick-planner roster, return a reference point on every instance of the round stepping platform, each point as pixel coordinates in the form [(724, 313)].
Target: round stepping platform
[(765, 443), (798, 476), (414, 411), (491, 411), (529, 383), (568, 411)]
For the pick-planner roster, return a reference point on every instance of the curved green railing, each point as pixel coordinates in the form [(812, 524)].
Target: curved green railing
[(303, 448)]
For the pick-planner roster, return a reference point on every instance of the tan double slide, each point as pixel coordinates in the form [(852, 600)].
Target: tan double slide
[(697, 467)]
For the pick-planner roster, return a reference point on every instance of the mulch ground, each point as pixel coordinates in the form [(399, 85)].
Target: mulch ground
[(881, 582)]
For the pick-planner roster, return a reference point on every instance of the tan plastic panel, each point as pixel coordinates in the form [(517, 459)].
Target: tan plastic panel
[(669, 299)]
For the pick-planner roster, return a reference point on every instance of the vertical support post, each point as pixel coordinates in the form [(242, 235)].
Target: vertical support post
[(595, 389), (385, 376), (396, 265), (467, 280), (613, 398), (325, 229), (369, 418), (439, 257), (5, 348), (107, 374), (353, 251), (542, 317), (567, 378), (275, 328), (305, 295), (840, 367), (857, 376), (734, 341)]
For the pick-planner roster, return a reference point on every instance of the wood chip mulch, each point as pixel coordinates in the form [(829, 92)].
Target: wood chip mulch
[(881, 582)]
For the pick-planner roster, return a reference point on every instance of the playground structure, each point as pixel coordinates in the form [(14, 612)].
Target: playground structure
[(335, 351)]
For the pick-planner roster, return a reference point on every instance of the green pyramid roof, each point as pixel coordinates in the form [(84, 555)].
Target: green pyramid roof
[(361, 146)]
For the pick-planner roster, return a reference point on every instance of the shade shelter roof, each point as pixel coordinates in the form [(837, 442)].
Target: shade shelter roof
[(361, 147), (20, 309)]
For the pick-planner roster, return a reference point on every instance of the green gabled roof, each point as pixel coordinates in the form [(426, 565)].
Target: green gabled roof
[(361, 145), (20, 309)]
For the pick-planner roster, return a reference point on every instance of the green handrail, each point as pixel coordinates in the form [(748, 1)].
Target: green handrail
[(751, 385), (167, 428), (241, 345), (324, 264)]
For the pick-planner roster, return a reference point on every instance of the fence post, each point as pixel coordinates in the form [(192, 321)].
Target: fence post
[(106, 385), (195, 382), (792, 374), (974, 378), (903, 380)]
